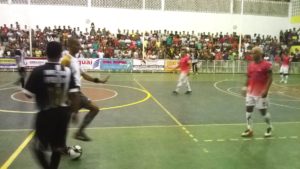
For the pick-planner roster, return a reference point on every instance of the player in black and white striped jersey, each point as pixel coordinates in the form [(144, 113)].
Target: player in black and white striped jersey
[(51, 84)]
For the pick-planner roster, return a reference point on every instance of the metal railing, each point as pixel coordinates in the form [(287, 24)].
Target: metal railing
[(251, 7)]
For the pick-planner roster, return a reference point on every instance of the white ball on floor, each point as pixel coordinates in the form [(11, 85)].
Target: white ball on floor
[(75, 152)]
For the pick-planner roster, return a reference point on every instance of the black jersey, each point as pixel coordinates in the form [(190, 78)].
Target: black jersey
[(50, 83)]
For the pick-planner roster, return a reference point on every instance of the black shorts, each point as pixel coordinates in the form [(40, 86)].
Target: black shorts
[(84, 101), (22, 71), (51, 126)]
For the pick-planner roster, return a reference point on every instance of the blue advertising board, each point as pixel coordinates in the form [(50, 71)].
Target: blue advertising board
[(116, 64)]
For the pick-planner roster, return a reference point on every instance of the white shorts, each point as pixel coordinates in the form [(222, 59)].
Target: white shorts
[(257, 101), (284, 69)]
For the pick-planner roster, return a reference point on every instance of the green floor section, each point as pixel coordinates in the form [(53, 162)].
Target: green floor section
[(198, 131), (218, 146)]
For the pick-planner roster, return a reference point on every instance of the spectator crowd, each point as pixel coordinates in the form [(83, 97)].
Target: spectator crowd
[(155, 44)]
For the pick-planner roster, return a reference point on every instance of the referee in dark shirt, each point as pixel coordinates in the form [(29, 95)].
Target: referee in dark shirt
[(51, 84)]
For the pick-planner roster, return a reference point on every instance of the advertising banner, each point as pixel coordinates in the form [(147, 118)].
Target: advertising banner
[(148, 65), (116, 64), (8, 63), (170, 64), (89, 63), (34, 62)]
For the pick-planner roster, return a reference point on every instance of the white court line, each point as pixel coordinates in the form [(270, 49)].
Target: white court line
[(6, 84), (160, 126), (13, 87), (237, 95)]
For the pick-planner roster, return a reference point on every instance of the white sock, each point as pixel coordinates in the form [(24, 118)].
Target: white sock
[(249, 120), (267, 118), (281, 77)]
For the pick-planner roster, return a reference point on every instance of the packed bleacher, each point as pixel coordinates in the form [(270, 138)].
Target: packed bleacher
[(155, 44)]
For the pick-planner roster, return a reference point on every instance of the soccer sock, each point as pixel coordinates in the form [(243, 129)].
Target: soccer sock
[(286, 77), (55, 159), (87, 120), (281, 75), (41, 157), (22, 82), (188, 85), (267, 118), (249, 120)]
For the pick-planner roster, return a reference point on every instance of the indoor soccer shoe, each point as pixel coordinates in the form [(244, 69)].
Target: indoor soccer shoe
[(268, 133), (188, 92), (81, 136), (175, 92), (247, 133)]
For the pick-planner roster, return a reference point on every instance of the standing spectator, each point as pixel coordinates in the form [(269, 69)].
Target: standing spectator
[(194, 57), (50, 84), (2, 49), (20, 61), (185, 66), (259, 80)]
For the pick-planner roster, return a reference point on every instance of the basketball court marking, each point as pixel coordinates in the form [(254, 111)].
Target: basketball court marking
[(281, 93), (238, 95), (171, 116), (13, 97), (18, 151), (13, 87), (148, 95), (6, 84), (160, 126)]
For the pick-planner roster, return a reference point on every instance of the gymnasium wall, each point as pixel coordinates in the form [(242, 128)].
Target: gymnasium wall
[(113, 19)]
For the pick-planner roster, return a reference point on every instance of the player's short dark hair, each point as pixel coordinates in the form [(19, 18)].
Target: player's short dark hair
[(18, 52), (54, 50)]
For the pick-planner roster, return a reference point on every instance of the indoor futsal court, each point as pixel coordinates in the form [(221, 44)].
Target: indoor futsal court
[(142, 125)]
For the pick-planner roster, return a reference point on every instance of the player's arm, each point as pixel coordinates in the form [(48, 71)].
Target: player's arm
[(269, 82), (245, 87), (31, 86), (190, 65), (92, 79)]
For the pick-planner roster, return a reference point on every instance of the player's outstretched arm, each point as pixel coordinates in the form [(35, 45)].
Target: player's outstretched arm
[(92, 79), (104, 80)]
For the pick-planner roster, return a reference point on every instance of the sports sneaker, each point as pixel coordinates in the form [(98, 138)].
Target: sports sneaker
[(188, 92), (175, 92), (81, 136), (247, 133), (268, 133), (64, 150), (285, 82)]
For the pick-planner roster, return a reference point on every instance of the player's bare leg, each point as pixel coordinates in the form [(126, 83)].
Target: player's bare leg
[(267, 118), (248, 132), (93, 111)]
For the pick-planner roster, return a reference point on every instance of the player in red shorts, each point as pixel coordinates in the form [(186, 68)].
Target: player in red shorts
[(259, 80)]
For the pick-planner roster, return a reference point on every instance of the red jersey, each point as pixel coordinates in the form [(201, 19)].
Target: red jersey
[(286, 60), (258, 77), (219, 56), (248, 58), (277, 59), (184, 63)]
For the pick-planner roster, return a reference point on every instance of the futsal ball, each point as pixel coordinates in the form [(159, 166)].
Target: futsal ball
[(75, 152)]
